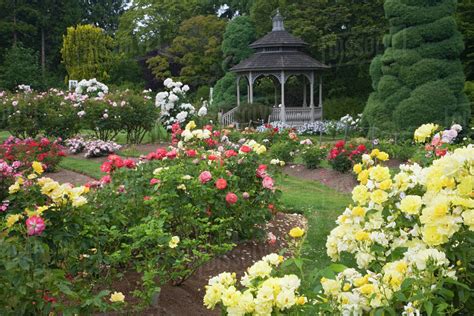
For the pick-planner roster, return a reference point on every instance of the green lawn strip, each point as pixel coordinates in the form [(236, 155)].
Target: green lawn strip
[(4, 135), (87, 167), (321, 205)]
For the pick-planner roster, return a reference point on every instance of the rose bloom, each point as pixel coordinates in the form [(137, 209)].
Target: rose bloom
[(231, 198), (191, 153), (129, 163), (205, 176), (271, 238), (106, 179), (106, 167), (261, 171), (267, 183), (245, 195), (154, 181), (230, 153), (221, 184), (171, 154), (35, 225), (212, 157), (245, 149)]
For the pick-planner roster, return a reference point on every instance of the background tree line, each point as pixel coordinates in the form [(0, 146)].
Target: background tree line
[(197, 41)]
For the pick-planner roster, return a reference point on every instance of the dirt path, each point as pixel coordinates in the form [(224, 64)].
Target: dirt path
[(68, 176)]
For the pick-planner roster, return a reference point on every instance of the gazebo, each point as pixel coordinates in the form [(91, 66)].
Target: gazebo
[(280, 55)]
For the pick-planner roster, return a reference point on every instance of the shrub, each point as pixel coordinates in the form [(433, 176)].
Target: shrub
[(20, 66), (23, 115), (255, 112), (49, 153), (342, 156), (283, 150), (402, 150), (313, 156), (173, 104)]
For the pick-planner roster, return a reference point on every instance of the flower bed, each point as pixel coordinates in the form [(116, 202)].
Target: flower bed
[(24, 152)]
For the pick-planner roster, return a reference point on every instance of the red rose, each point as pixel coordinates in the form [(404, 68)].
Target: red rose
[(212, 157), (245, 149), (231, 198), (151, 156), (106, 179), (171, 154), (221, 184), (154, 181), (191, 153), (361, 148), (340, 144), (216, 133), (261, 171), (230, 153), (160, 153), (129, 163), (106, 167)]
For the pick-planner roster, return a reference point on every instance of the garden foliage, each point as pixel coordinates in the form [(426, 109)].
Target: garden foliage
[(419, 78)]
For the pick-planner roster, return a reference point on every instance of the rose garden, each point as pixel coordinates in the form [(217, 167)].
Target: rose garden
[(164, 196)]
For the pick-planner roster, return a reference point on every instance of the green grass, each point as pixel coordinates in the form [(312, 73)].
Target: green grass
[(87, 167), (321, 205), (4, 135)]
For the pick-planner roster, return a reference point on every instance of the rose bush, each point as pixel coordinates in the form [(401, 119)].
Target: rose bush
[(343, 156)]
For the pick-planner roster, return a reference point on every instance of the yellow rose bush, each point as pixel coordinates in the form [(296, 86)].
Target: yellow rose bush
[(411, 234), (261, 290)]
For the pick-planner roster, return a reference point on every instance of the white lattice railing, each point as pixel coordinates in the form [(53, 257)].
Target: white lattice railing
[(296, 115), (293, 115), (229, 117)]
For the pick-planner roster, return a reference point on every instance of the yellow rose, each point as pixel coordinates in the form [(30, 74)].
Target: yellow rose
[(358, 211), (37, 167), (361, 281), (379, 196), (296, 232), (174, 242), (362, 235), (382, 156), (363, 177), (424, 131), (385, 185), (468, 217), (367, 289), (374, 153), (411, 204), (432, 236), (117, 297), (14, 188), (360, 194), (379, 173), (357, 168), (12, 219), (190, 125)]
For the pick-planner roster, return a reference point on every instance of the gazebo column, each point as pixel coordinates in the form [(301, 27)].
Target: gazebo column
[(251, 88), (282, 109), (304, 91), (320, 91), (311, 96), (238, 91)]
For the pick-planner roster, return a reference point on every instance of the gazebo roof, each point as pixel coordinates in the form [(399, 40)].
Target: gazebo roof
[(278, 50)]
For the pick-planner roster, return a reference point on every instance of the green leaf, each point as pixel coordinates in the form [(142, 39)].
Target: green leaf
[(428, 307)]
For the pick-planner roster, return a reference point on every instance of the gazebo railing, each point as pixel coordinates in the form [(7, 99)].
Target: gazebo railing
[(229, 117), (296, 115)]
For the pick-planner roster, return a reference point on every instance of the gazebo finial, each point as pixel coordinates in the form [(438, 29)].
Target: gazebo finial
[(278, 22)]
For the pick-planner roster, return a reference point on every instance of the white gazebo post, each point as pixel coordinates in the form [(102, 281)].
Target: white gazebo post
[(282, 109), (238, 91), (311, 96), (304, 91), (251, 88), (320, 91)]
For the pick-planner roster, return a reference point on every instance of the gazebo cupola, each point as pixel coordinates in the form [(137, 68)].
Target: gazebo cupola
[(280, 54)]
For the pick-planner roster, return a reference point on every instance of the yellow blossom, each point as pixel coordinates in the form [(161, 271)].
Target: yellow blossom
[(296, 232), (174, 242), (411, 204), (12, 219), (358, 211), (191, 125), (362, 235), (424, 131), (357, 168), (379, 196), (382, 156), (117, 297), (37, 167), (385, 185)]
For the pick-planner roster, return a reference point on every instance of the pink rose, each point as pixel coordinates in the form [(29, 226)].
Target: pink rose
[(245, 195), (221, 184), (231, 198), (267, 183), (35, 225), (106, 179), (271, 238), (205, 177), (154, 181)]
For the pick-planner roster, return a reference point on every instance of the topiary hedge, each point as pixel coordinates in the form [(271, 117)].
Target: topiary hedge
[(419, 78)]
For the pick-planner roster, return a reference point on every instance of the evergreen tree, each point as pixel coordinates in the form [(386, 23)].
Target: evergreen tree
[(87, 53), (419, 78), (465, 19), (20, 67)]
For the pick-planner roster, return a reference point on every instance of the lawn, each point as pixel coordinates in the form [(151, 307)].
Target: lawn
[(321, 205), (89, 168)]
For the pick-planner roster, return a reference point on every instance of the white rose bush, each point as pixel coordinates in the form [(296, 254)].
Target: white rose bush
[(173, 105)]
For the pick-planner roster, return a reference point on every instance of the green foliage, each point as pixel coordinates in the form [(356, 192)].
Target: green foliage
[(87, 53), (469, 90), (283, 150), (197, 49), (253, 112), (401, 151), (313, 156), (59, 117), (335, 108), (225, 96), (239, 33), (20, 67), (465, 20), (419, 78)]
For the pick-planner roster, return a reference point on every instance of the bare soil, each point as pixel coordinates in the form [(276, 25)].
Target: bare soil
[(67, 176)]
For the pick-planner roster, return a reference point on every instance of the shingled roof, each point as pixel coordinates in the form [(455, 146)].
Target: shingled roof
[(278, 50)]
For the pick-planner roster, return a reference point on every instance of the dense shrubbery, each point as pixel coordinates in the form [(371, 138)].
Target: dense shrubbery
[(343, 156), (336, 108), (419, 78), (254, 113), (313, 156)]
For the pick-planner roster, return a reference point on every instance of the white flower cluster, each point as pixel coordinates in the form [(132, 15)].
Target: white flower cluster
[(173, 109), (263, 293), (317, 127), (350, 121), (92, 148), (92, 88)]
